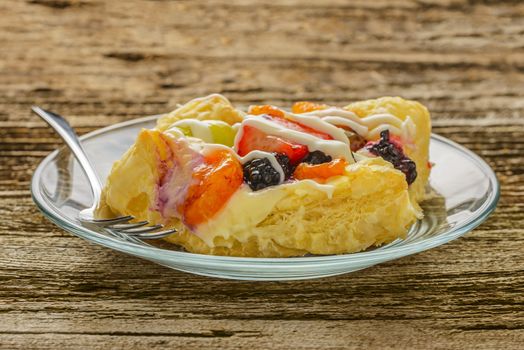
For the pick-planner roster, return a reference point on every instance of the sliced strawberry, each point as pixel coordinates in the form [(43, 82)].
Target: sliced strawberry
[(254, 139), (397, 141)]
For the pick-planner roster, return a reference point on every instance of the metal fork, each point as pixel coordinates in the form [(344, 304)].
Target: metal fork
[(121, 224)]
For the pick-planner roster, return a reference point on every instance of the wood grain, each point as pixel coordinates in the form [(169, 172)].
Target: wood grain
[(102, 62)]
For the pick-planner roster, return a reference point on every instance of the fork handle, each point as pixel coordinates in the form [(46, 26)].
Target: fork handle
[(66, 132)]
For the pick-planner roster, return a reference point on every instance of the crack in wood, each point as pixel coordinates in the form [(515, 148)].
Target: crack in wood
[(214, 333), (58, 4)]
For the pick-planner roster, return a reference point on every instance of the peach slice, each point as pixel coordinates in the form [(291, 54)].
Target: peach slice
[(320, 172), (215, 181), (306, 106), (266, 109)]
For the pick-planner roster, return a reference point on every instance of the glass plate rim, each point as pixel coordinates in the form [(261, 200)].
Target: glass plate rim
[(154, 253)]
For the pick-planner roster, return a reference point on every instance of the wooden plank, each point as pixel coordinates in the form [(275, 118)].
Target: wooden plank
[(100, 62), (249, 334)]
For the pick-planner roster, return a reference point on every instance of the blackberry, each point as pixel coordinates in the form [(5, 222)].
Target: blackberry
[(259, 174), (394, 154), (317, 157), (409, 168), (283, 160)]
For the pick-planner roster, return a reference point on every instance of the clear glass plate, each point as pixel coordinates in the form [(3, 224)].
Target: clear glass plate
[(467, 190)]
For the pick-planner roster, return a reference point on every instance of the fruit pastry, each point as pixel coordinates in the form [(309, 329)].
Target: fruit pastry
[(274, 182)]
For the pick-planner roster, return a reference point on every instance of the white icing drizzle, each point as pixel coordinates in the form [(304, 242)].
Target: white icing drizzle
[(335, 148), (333, 112), (320, 125), (369, 126), (358, 128), (199, 129), (236, 126), (208, 148)]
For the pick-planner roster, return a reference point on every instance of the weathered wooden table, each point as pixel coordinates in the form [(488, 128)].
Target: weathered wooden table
[(102, 62)]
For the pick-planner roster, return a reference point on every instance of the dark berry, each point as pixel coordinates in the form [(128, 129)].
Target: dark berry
[(259, 174), (409, 168), (317, 157), (386, 149), (392, 153), (284, 162)]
